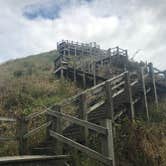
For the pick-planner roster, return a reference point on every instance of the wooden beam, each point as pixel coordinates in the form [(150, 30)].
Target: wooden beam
[(129, 95), (3, 139), (151, 69), (34, 131), (83, 114), (91, 153), (80, 122), (144, 93), (4, 119)]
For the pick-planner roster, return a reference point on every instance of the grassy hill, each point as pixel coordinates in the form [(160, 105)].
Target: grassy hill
[(27, 83)]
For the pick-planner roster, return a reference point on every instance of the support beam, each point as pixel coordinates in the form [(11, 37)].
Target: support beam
[(129, 96), (151, 70), (144, 93), (84, 115)]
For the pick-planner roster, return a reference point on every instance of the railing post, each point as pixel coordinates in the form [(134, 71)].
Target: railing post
[(129, 96), (74, 72), (84, 115), (108, 140), (94, 73), (144, 92), (109, 101), (152, 76), (84, 80), (61, 63), (57, 127), (22, 129)]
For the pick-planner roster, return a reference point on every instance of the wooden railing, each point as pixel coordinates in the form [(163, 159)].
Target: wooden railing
[(22, 131), (115, 96)]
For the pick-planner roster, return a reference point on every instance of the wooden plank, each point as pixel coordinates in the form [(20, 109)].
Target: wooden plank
[(95, 106), (109, 100), (118, 85), (35, 114), (28, 158), (94, 73), (84, 115), (134, 82), (151, 69), (129, 96), (3, 139), (22, 128), (34, 131), (58, 128), (91, 153), (4, 119), (80, 122), (118, 93)]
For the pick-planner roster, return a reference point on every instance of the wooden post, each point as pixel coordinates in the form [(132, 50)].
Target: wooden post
[(151, 70), (109, 101), (117, 48), (75, 65), (83, 114), (22, 129), (144, 92), (57, 126), (61, 61), (84, 80), (94, 73), (129, 96), (107, 143)]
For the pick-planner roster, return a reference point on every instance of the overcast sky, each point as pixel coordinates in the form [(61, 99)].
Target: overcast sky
[(33, 26)]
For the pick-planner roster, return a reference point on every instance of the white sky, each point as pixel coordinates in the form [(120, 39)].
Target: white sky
[(132, 24)]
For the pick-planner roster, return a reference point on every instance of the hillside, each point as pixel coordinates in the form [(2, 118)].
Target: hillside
[(29, 82), (35, 64)]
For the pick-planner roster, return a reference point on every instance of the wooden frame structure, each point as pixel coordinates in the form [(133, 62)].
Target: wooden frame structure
[(97, 108)]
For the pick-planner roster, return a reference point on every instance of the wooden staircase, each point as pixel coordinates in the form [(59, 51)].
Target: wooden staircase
[(103, 102)]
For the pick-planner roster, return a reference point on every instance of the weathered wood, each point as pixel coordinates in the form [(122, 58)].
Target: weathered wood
[(91, 153), (144, 93), (80, 122), (129, 96), (84, 80), (4, 119), (109, 100), (84, 115), (2, 139), (36, 130), (94, 73), (22, 129), (62, 73), (95, 106), (58, 128), (33, 160), (107, 143), (35, 114), (151, 70)]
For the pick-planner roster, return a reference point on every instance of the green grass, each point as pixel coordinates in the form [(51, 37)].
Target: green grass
[(25, 85)]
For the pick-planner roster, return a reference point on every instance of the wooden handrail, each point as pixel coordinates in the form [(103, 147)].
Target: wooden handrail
[(4, 119), (79, 122), (34, 131), (82, 148), (35, 114)]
